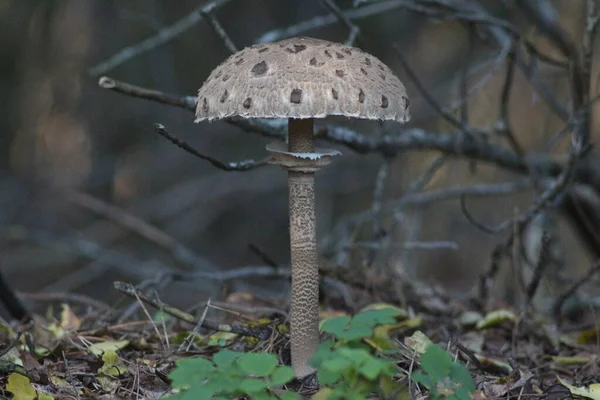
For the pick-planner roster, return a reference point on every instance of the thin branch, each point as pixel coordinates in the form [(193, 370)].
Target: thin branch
[(427, 96), (218, 28), (453, 143), (163, 36), (68, 298), (354, 34), (179, 252), (321, 21), (555, 191), (131, 291), (560, 300), (446, 194), (244, 165), (542, 264), (380, 184), (504, 126), (464, 76), (187, 102), (543, 14), (437, 245), (530, 71)]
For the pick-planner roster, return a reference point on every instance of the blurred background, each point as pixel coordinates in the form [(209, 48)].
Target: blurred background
[(70, 150)]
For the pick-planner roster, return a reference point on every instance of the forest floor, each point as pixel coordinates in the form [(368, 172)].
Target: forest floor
[(84, 349)]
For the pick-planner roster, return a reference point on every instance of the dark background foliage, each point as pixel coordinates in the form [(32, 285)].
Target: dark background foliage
[(61, 137)]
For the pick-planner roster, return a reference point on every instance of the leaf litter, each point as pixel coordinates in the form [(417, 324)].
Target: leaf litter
[(83, 353)]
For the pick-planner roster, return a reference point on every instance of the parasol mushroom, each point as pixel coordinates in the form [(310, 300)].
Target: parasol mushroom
[(301, 79)]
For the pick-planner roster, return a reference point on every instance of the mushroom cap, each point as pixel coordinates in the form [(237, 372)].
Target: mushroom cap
[(302, 78)]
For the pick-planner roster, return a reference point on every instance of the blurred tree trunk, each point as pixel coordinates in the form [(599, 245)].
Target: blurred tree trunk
[(14, 24)]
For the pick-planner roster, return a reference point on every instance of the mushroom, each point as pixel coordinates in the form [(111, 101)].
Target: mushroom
[(301, 79)]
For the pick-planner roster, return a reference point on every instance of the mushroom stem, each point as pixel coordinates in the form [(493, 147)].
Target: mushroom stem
[(300, 135), (304, 313)]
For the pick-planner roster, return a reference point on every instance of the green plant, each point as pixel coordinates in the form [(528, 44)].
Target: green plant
[(231, 374), (346, 366), (444, 377)]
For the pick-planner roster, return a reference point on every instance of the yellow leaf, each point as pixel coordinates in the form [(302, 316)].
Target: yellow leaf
[(402, 313), (591, 392), (20, 387), (495, 362), (219, 338), (112, 364), (418, 342), (68, 319), (566, 360), (496, 318), (114, 345)]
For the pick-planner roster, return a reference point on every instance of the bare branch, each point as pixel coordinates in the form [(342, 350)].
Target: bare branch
[(179, 252), (560, 300), (329, 19), (542, 264), (131, 291), (354, 30), (429, 98), (438, 245), (218, 28), (244, 165), (416, 139), (543, 14), (503, 125), (163, 36), (187, 102), (555, 191), (464, 77)]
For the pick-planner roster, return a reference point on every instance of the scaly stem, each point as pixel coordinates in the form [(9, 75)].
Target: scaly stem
[(304, 313)]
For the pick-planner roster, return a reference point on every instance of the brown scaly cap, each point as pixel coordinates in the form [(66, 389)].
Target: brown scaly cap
[(302, 78)]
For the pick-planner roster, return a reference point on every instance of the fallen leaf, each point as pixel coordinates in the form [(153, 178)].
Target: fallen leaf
[(20, 387), (418, 341), (495, 318), (68, 319), (591, 392), (114, 345)]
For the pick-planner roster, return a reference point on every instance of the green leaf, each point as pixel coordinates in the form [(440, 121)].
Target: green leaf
[(422, 379), (322, 353), (372, 368), (460, 374), (436, 362), (189, 370), (327, 376), (251, 386), (282, 375), (378, 317), (196, 392), (226, 357), (289, 396), (260, 364), (336, 325), (263, 396), (336, 364), (223, 383), (356, 331), (356, 356)]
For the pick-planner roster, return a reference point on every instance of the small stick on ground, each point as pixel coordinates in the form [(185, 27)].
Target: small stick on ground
[(131, 291)]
